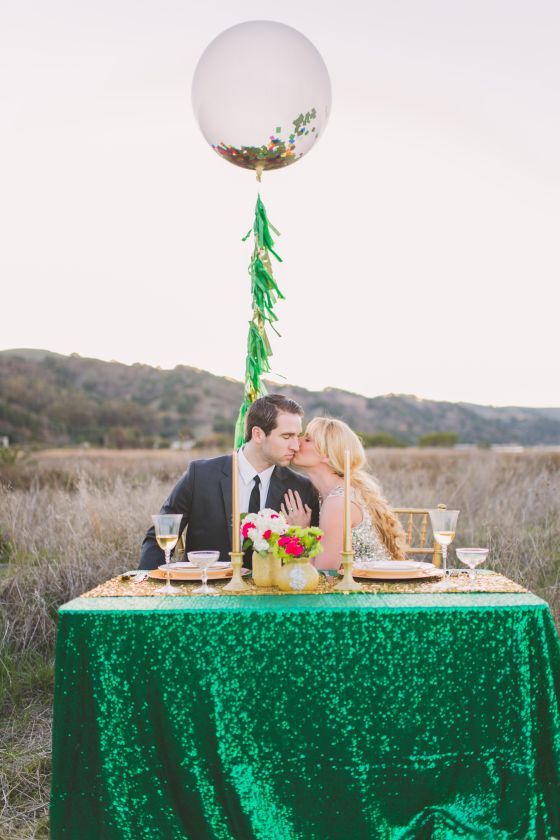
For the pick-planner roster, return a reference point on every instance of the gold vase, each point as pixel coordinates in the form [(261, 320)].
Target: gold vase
[(266, 568), (298, 576)]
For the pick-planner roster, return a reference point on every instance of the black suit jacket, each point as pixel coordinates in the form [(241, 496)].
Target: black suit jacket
[(203, 496)]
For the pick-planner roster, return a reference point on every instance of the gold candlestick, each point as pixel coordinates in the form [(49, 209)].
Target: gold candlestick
[(347, 584), (236, 584), (235, 515), (347, 543)]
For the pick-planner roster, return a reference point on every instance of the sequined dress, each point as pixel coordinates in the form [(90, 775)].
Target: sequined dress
[(366, 542)]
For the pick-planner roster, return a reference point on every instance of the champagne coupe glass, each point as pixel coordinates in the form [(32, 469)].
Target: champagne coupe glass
[(444, 523), (472, 557), (204, 559), (167, 533)]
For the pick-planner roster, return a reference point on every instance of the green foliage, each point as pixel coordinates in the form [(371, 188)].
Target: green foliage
[(186, 404), (60, 401), (225, 425), (439, 439), (297, 543), (185, 433), (24, 678), (126, 437), (69, 400), (7, 548), (12, 455), (381, 439), (218, 440), (26, 689)]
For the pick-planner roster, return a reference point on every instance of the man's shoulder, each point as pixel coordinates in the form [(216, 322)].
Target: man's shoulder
[(209, 465), (290, 476)]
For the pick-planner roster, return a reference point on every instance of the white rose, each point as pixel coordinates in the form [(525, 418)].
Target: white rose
[(260, 544)]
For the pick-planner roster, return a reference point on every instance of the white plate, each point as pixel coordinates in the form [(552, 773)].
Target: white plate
[(194, 574), (219, 564), (390, 565), (397, 570)]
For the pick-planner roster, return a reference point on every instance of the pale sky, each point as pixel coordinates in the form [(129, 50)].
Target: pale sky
[(420, 236)]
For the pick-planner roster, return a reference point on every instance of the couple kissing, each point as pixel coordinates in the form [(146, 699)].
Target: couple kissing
[(274, 442)]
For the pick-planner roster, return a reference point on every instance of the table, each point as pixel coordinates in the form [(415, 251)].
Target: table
[(325, 717)]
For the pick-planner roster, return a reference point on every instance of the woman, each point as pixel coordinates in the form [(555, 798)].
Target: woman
[(376, 531)]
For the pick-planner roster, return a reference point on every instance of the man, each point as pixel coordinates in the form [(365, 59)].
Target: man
[(203, 494)]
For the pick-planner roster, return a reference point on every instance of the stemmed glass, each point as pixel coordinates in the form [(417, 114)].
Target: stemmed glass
[(167, 526), (444, 523), (472, 557), (204, 559)]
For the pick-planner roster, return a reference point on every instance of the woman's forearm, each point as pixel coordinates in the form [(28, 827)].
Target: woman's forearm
[(328, 560)]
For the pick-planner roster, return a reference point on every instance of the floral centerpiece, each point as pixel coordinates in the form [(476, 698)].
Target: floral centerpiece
[(295, 548), (260, 531), (296, 543)]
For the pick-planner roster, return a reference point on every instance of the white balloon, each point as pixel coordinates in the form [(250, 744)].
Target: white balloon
[(261, 94)]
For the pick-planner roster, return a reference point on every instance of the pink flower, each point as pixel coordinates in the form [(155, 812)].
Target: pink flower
[(274, 516), (294, 547), (246, 528), (266, 535)]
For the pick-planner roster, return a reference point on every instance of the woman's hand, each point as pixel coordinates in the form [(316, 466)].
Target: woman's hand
[(295, 512)]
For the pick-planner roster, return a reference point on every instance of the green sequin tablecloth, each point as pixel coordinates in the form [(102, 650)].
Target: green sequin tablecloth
[(307, 718)]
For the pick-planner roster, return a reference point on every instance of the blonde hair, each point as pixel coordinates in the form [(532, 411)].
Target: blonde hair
[(331, 437)]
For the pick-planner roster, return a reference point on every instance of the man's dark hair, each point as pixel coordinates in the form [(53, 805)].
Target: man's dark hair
[(264, 413)]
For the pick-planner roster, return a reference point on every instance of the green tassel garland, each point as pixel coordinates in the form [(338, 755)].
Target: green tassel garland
[(264, 294)]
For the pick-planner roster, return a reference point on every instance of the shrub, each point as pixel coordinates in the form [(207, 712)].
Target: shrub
[(381, 439), (438, 439), (10, 456)]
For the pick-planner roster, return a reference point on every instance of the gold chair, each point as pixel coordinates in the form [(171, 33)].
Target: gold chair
[(415, 522)]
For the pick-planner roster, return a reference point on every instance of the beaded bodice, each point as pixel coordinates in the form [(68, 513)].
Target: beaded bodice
[(366, 542)]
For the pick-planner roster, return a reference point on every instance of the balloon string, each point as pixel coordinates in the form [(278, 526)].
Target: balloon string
[(259, 170)]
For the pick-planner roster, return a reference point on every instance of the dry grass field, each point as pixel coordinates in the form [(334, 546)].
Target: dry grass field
[(72, 518)]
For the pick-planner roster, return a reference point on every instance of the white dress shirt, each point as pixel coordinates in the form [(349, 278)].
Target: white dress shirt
[(247, 475)]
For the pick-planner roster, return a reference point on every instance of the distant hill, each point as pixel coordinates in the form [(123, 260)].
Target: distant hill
[(32, 353), (55, 400)]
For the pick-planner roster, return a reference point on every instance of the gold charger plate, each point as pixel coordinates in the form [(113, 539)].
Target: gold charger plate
[(194, 574), (398, 574)]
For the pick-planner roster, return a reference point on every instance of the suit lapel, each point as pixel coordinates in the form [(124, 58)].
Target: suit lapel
[(276, 489), (225, 482)]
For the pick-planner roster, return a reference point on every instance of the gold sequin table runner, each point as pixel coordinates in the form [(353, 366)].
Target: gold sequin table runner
[(485, 582)]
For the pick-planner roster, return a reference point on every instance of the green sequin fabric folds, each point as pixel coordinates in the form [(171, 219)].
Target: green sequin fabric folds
[(307, 718)]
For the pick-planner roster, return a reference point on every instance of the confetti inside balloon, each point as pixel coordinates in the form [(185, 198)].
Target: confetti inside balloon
[(262, 95)]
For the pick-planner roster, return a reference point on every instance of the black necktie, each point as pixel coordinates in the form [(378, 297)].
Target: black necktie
[(254, 507), (255, 498)]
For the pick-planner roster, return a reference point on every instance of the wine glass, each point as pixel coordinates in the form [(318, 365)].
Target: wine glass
[(444, 523), (472, 557), (204, 559), (167, 526)]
